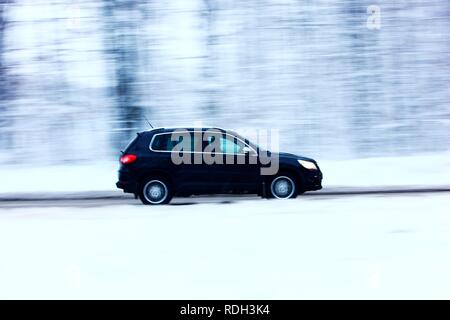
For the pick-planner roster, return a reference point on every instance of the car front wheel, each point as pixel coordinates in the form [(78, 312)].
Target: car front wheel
[(155, 191), (283, 187)]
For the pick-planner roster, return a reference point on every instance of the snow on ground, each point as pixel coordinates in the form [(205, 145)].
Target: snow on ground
[(424, 170), (427, 170), (352, 247), (59, 178)]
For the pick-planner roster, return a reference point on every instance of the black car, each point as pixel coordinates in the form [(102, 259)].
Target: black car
[(166, 162)]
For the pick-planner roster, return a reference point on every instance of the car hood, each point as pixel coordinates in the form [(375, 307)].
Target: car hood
[(292, 156)]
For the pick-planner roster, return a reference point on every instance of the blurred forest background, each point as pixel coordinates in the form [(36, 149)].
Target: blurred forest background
[(77, 77)]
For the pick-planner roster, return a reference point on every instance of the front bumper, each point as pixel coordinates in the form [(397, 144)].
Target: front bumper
[(313, 180)]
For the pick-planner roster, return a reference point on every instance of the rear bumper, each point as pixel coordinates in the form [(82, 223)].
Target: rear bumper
[(127, 186), (127, 182), (121, 185)]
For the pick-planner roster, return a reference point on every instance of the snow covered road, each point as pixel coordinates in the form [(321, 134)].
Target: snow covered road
[(311, 247)]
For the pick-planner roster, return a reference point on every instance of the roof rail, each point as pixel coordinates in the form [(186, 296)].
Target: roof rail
[(189, 127)]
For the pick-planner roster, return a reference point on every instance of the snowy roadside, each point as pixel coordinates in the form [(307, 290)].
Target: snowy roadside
[(345, 248), (426, 171)]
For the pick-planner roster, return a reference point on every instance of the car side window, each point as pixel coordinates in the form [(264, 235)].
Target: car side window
[(183, 141), (223, 143), (230, 144), (162, 142)]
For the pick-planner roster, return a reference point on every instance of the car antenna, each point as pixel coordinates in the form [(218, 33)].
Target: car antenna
[(148, 122)]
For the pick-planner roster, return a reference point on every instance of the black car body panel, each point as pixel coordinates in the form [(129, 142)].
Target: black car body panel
[(202, 178)]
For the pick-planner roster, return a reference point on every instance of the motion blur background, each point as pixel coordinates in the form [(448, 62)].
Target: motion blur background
[(77, 77)]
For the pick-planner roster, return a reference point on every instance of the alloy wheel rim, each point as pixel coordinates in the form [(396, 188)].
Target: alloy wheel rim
[(155, 191), (282, 187)]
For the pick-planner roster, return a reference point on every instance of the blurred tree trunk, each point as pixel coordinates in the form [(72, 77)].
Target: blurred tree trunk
[(2, 64), (209, 73), (4, 87), (122, 19)]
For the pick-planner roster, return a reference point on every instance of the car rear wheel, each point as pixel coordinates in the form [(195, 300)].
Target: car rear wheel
[(283, 187), (156, 191)]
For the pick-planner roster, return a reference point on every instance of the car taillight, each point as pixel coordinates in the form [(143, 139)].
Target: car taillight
[(128, 158)]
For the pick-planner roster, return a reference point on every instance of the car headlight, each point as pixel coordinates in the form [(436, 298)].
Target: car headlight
[(308, 164)]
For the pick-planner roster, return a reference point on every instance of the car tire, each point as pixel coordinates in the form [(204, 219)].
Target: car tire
[(155, 191), (282, 186)]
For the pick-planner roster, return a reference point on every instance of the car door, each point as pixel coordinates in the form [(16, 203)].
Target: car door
[(235, 165), (174, 153), (244, 170)]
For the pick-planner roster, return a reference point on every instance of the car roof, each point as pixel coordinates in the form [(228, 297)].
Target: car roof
[(171, 129)]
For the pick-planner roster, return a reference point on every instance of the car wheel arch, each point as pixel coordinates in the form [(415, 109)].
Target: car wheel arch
[(291, 171), (156, 174)]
